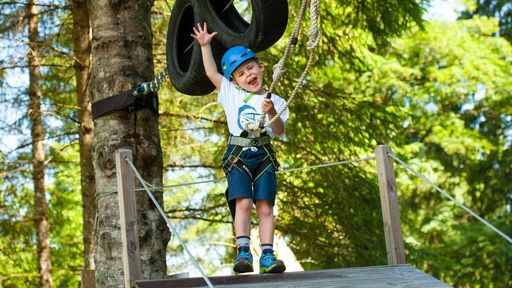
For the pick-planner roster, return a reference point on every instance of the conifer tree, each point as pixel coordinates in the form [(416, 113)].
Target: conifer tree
[(38, 160)]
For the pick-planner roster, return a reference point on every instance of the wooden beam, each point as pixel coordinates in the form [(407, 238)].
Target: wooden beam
[(128, 215), (389, 204), (357, 277)]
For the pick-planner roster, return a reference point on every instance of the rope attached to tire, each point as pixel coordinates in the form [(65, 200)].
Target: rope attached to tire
[(186, 72), (314, 35)]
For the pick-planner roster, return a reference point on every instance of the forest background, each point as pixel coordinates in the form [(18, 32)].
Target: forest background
[(438, 92)]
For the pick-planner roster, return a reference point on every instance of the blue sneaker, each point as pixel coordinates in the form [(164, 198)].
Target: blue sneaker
[(269, 264), (243, 262)]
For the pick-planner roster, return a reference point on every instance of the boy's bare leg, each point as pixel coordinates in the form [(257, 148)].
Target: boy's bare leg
[(243, 217), (268, 261), (266, 219), (243, 261)]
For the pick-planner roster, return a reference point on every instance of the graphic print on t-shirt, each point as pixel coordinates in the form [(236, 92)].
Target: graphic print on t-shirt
[(246, 114)]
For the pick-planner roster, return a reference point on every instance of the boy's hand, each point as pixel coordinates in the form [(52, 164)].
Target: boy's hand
[(270, 110), (201, 34), (268, 107)]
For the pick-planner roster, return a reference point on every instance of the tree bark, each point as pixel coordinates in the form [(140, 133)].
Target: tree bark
[(121, 58), (38, 164), (82, 49)]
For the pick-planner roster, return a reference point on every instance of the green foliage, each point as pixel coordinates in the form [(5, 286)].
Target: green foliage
[(17, 232), (202, 226), (18, 247), (65, 214), (330, 219), (334, 118), (492, 8), (18, 252), (439, 95), (457, 135)]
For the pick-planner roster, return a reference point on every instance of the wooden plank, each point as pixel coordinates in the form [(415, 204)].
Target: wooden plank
[(128, 215), (371, 277), (389, 203)]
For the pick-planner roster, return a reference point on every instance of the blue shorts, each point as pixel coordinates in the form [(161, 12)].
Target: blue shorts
[(240, 184)]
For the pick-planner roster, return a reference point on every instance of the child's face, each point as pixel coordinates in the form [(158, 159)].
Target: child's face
[(249, 76)]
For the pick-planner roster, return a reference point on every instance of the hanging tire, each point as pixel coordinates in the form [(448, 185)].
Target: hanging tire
[(183, 53), (268, 22)]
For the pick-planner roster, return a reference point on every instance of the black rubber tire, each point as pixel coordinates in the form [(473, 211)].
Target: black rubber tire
[(268, 22), (184, 62)]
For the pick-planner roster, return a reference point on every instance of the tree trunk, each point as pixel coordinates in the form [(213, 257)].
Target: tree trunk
[(34, 91), (121, 58), (82, 49)]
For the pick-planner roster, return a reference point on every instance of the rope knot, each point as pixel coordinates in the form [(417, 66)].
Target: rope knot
[(314, 38), (278, 70)]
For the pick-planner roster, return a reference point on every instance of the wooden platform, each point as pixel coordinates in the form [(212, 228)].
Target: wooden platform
[(367, 277)]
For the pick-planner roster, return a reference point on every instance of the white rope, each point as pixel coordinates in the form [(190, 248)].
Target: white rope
[(169, 224), (290, 47), (451, 198), (314, 38)]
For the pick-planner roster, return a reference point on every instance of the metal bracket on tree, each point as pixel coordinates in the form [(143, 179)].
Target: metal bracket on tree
[(140, 97)]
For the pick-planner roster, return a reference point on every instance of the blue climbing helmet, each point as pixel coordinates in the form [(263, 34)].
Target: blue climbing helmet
[(235, 57)]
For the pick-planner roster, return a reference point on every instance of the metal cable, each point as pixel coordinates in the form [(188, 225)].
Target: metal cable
[(169, 224), (450, 197), (156, 188), (278, 172), (326, 165)]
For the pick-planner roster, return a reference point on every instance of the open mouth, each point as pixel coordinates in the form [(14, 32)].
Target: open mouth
[(252, 81)]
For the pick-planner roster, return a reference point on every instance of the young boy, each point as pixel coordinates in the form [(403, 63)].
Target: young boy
[(250, 164)]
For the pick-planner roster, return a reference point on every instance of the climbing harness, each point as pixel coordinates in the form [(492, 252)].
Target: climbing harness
[(240, 143), (234, 160)]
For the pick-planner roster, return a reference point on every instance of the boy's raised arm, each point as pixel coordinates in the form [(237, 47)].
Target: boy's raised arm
[(204, 39)]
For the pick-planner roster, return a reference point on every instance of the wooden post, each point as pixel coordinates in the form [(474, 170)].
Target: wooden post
[(128, 215), (390, 208)]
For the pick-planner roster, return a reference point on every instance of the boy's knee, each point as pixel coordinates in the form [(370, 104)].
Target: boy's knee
[(243, 204), (264, 208)]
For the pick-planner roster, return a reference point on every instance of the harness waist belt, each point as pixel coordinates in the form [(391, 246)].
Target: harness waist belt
[(248, 142)]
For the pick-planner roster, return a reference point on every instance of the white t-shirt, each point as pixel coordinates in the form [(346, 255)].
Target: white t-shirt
[(239, 112)]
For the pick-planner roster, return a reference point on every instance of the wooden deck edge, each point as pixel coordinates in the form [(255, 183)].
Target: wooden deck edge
[(373, 275)]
